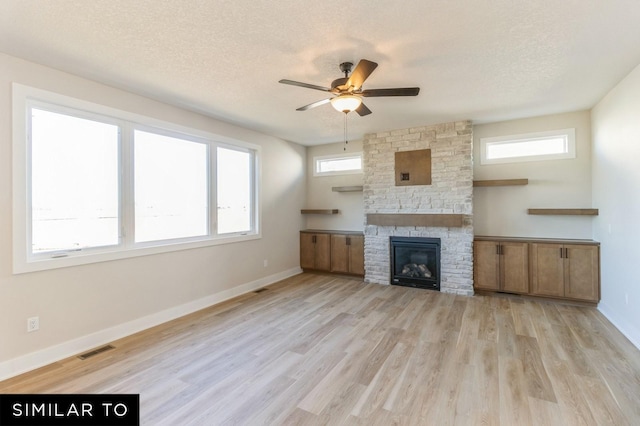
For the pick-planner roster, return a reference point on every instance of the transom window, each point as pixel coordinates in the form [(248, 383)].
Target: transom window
[(551, 145), (94, 184), (338, 164)]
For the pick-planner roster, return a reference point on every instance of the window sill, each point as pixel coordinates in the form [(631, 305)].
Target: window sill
[(22, 266)]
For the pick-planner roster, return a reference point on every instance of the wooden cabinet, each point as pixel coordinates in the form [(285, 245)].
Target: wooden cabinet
[(332, 251), (565, 270), (315, 251), (501, 266), (347, 254)]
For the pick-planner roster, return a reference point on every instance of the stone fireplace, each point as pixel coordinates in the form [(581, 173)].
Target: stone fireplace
[(442, 209)]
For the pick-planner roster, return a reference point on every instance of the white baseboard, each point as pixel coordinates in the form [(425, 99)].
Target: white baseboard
[(630, 330), (33, 360)]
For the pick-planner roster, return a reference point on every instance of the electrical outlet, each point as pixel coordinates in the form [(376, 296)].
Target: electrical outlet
[(266, 263), (33, 324)]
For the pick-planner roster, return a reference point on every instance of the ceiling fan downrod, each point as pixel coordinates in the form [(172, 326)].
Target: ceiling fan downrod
[(345, 67)]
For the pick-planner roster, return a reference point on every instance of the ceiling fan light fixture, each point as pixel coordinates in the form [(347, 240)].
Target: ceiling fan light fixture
[(346, 103)]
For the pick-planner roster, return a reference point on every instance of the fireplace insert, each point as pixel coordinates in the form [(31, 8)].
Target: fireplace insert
[(415, 262)]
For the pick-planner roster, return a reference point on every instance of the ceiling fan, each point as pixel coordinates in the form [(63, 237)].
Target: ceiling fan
[(348, 89)]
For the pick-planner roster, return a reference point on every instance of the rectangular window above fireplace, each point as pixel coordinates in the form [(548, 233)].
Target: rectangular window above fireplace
[(415, 262)]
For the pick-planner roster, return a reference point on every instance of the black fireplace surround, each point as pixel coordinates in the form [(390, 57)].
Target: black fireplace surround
[(415, 262)]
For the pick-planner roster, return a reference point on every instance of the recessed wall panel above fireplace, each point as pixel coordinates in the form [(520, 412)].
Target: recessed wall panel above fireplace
[(413, 167)]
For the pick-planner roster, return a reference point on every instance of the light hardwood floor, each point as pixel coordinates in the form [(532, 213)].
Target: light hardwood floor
[(315, 349)]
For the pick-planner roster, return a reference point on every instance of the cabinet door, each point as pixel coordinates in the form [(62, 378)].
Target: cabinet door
[(356, 254), (582, 272), (339, 253), (307, 251), (547, 269), (315, 251), (323, 252), (486, 265), (514, 267)]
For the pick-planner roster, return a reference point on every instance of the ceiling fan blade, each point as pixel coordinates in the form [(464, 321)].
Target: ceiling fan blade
[(360, 73), (400, 91), (362, 110), (313, 105), (306, 85)]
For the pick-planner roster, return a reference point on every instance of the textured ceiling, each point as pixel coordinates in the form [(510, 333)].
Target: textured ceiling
[(484, 60)]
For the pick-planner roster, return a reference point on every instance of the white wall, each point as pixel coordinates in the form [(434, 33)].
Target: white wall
[(616, 190), (320, 195), (502, 211), (87, 305)]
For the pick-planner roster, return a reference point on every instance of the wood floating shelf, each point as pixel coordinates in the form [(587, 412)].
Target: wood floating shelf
[(319, 211), (500, 182), (392, 219), (564, 212), (355, 188)]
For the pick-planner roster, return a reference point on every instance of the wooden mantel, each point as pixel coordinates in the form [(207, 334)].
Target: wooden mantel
[(399, 219)]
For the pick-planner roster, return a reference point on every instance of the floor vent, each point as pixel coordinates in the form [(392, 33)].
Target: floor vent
[(96, 352), (260, 290)]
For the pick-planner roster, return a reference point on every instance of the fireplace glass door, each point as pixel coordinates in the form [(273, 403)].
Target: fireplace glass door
[(415, 262)]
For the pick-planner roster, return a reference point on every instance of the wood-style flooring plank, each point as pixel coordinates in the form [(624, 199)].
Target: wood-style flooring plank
[(573, 405), (514, 400), (486, 384), (383, 384), (538, 383)]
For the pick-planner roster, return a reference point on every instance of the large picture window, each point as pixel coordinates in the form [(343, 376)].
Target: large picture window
[(92, 184)]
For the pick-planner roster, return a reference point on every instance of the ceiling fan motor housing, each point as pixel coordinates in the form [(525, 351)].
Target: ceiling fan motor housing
[(339, 84)]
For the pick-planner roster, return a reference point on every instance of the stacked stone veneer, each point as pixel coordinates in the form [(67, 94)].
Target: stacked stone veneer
[(451, 191)]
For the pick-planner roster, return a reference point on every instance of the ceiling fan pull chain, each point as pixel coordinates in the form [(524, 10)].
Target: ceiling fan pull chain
[(345, 132)]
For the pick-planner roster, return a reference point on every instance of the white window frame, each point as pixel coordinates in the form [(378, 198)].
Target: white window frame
[(318, 159), (568, 134), (24, 260)]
